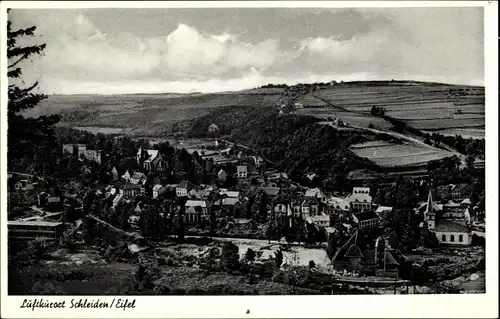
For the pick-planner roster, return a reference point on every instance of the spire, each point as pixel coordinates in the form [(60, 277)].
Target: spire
[(430, 204)]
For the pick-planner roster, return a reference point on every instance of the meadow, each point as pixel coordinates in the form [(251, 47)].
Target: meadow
[(392, 155)]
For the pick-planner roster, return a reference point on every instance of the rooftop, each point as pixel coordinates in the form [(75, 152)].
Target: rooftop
[(381, 209), (451, 226), (234, 194), (152, 154), (194, 203), (320, 218), (131, 186), (271, 191), (227, 201), (157, 187), (366, 215), (185, 184)]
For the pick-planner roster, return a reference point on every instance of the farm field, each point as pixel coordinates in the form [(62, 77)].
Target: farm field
[(425, 106), (438, 124), (141, 114), (387, 154), (311, 101), (362, 120), (464, 132)]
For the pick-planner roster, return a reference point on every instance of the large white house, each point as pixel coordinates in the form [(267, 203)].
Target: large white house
[(360, 199)]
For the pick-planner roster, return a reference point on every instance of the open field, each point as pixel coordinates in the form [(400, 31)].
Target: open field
[(394, 155), (142, 114)]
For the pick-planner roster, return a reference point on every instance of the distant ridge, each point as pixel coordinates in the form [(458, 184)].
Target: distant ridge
[(271, 85)]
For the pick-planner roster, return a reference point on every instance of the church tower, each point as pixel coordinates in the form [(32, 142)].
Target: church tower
[(430, 214)]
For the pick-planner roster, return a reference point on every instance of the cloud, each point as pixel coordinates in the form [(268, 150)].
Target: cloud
[(86, 54)]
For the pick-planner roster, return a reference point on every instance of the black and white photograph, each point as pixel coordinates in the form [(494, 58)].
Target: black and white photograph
[(236, 151)]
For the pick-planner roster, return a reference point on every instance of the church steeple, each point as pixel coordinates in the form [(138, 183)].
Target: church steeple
[(430, 214), (430, 204)]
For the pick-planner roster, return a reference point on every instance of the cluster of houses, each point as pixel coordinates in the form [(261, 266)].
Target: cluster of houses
[(81, 151), (446, 211)]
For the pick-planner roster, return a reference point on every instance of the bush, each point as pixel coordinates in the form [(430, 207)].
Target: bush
[(266, 270), (229, 259), (280, 277), (162, 290)]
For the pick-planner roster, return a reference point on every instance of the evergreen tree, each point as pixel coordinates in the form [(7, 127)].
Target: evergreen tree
[(31, 138)]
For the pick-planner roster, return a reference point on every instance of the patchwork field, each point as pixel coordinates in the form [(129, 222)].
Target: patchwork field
[(423, 106), (387, 154)]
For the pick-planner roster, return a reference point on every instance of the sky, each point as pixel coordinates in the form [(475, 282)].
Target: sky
[(116, 51)]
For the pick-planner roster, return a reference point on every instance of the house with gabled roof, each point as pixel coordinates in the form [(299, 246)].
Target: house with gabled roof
[(354, 254), (460, 191), (158, 189), (310, 207), (360, 199), (195, 209), (315, 193), (183, 188), (366, 219), (131, 190)]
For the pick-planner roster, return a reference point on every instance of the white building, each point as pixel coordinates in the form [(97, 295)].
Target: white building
[(242, 171), (449, 227), (360, 199), (158, 190)]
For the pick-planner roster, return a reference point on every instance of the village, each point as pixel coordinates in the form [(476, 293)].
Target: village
[(247, 199)]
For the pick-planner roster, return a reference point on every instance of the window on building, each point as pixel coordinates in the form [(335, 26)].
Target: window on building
[(461, 238), (443, 238), (452, 238)]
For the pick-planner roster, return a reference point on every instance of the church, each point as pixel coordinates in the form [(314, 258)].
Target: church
[(151, 160), (450, 222)]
